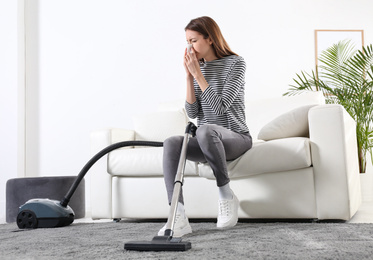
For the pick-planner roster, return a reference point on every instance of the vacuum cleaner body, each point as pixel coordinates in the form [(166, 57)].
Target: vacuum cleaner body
[(44, 213)]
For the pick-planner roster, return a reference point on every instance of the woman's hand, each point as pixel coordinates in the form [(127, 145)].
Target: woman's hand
[(188, 74), (193, 69), (191, 63)]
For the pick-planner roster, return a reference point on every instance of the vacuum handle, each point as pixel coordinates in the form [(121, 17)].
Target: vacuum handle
[(191, 129)]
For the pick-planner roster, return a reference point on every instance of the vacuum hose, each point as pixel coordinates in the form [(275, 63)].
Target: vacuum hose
[(95, 158)]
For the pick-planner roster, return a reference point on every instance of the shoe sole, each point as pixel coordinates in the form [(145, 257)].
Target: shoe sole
[(228, 225)]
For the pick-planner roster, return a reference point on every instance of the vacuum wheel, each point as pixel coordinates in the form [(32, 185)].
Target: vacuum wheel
[(27, 219)]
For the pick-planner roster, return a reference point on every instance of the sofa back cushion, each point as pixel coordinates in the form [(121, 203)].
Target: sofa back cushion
[(290, 124), (158, 126), (261, 112)]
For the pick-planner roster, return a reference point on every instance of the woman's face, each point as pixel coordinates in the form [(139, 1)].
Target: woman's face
[(201, 46)]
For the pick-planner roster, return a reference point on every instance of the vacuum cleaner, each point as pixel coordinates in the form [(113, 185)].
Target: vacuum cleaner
[(46, 213), (167, 242)]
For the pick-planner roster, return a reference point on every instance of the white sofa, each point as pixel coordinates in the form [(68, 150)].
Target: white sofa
[(307, 167)]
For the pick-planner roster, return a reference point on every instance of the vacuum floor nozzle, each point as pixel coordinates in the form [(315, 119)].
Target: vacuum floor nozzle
[(159, 243)]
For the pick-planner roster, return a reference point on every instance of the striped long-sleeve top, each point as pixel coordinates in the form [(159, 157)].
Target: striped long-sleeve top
[(223, 102)]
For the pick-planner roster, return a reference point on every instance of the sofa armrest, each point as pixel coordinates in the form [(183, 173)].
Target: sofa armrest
[(335, 162), (101, 193)]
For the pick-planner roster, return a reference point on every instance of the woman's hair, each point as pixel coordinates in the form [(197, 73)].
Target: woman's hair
[(209, 28)]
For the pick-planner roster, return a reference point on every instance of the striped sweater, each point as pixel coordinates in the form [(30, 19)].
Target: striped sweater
[(223, 102)]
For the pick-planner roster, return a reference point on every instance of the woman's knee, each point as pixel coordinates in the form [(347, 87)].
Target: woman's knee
[(172, 144), (207, 131), (173, 140)]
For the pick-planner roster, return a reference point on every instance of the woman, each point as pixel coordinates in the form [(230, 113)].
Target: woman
[(215, 93)]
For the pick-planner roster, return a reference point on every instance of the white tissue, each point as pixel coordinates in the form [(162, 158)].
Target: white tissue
[(189, 47)]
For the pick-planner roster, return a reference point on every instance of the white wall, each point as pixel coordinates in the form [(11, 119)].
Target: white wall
[(93, 64), (8, 97)]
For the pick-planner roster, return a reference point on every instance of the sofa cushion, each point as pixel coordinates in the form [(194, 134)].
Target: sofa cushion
[(291, 124), (158, 126), (265, 157), (141, 162), (260, 112)]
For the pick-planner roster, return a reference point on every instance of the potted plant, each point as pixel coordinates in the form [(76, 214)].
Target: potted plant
[(345, 76)]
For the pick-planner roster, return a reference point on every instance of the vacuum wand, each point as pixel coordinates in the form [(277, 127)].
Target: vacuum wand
[(167, 242), (189, 131)]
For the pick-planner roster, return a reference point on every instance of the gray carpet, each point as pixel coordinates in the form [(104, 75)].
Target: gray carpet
[(245, 241)]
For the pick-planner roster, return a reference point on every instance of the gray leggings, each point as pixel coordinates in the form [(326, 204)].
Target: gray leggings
[(213, 144)]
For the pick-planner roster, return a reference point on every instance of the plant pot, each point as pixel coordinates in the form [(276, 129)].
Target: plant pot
[(366, 182)]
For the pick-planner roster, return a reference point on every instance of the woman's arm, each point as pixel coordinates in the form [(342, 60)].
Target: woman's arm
[(191, 104), (190, 95), (232, 88)]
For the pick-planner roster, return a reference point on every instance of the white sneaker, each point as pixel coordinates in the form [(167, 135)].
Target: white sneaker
[(228, 213), (181, 227)]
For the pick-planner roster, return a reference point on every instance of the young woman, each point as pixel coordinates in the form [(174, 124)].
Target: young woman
[(215, 78)]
